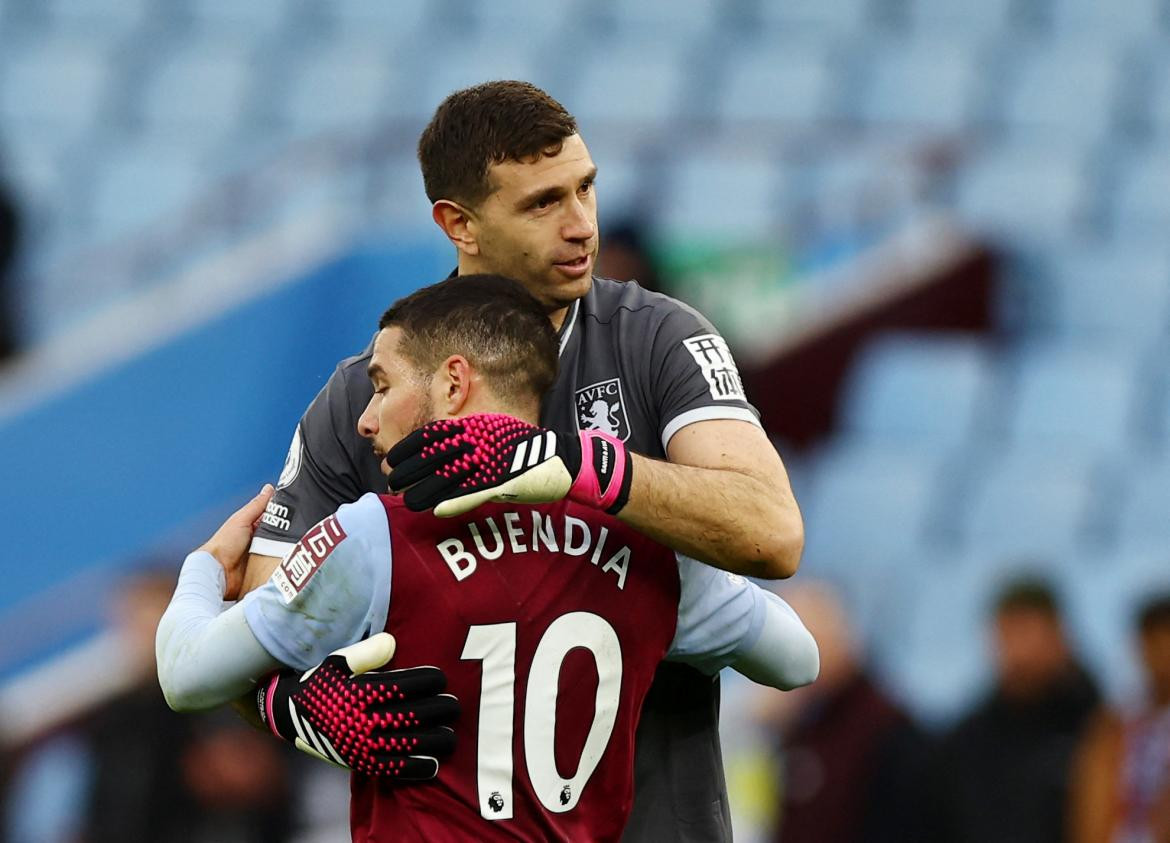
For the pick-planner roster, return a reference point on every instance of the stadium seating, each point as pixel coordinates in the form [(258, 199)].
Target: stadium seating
[(475, 63), (629, 86), (311, 103), (140, 186), (932, 86), (805, 17), (198, 97), (1081, 398), (94, 18), (60, 87), (920, 391), (398, 22), (1031, 504), (1115, 295), (722, 197), (866, 505), (1085, 18), (1144, 520), (959, 18), (1033, 192), (1063, 93), (792, 85), (1143, 196)]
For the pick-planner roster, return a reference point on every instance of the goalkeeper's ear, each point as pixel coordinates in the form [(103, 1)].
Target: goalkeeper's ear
[(370, 654)]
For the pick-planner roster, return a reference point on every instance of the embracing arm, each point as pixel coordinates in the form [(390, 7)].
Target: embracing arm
[(724, 497), (727, 621), (206, 656), (783, 654)]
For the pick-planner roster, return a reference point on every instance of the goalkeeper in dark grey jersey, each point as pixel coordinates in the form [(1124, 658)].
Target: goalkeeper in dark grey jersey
[(512, 186)]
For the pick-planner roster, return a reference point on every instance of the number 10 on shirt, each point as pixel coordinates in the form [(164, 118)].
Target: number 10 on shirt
[(495, 646)]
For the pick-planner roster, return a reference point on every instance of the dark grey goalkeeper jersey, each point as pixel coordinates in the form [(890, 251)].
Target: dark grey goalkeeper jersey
[(638, 365)]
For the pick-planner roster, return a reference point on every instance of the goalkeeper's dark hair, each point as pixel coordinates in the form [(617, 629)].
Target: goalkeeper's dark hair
[(488, 124), (502, 330)]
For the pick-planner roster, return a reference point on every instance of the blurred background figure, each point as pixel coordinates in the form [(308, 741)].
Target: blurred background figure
[(133, 770), (625, 255), (1002, 773), (10, 238), (851, 759), (1122, 788)]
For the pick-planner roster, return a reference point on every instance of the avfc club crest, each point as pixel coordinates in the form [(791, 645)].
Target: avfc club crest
[(600, 407)]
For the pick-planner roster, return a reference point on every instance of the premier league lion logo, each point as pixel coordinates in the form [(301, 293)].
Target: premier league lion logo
[(496, 801)]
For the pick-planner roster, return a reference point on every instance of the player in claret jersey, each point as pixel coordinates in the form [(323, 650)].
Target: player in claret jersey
[(549, 620)]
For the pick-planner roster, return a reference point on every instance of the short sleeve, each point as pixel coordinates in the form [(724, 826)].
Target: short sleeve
[(696, 378), (332, 590), (320, 472), (718, 615)]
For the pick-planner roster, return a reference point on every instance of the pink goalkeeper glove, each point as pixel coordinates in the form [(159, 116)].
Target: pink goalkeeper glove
[(454, 465)]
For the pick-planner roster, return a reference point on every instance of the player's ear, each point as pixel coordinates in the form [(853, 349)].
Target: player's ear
[(458, 224), (453, 385)]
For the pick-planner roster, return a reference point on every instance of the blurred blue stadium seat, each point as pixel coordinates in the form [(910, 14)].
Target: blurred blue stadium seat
[(469, 64), (396, 22), (1025, 504), (1145, 510), (628, 86), (928, 86), (139, 186), (714, 193), (235, 22), (1074, 396), (667, 19), (399, 202), (517, 21), (1154, 108), (923, 391), (802, 17), (95, 18), (867, 504), (963, 19), (342, 87), (60, 86), (1106, 21), (1029, 193), (1142, 203), (1115, 294), (198, 97), (1069, 93), (788, 84)]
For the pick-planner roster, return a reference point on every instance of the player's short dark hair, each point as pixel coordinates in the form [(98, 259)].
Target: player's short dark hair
[(493, 321), (1154, 613), (1028, 593), (487, 124)]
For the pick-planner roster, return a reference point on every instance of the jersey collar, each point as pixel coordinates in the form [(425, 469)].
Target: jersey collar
[(567, 325)]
